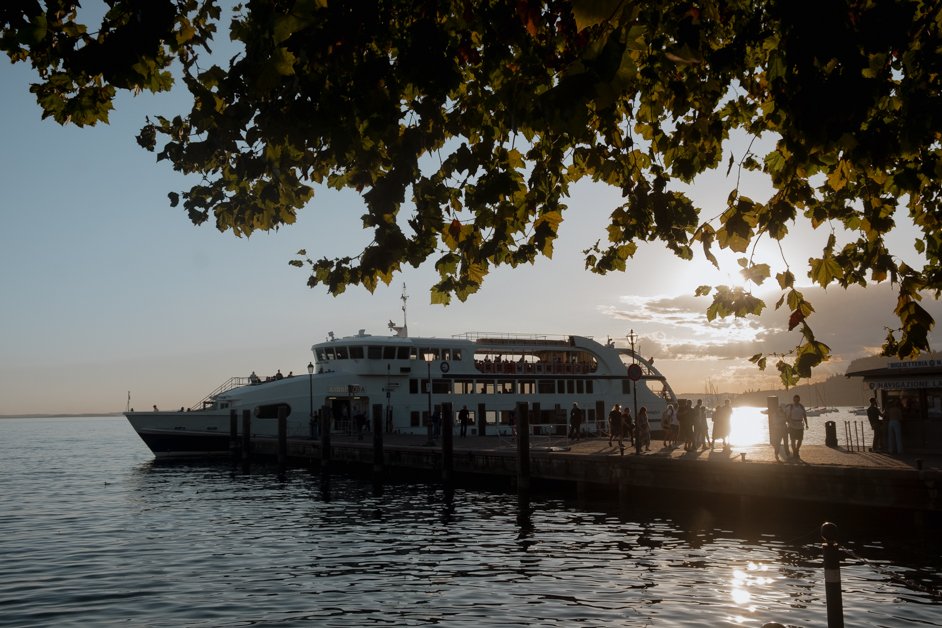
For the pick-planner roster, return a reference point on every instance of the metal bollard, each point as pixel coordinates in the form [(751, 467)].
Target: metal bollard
[(832, 576)]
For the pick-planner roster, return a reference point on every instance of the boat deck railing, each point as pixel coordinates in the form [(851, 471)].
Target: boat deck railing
[(229, 384)]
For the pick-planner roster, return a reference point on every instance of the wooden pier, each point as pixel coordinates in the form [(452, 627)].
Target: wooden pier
[(825, 476)]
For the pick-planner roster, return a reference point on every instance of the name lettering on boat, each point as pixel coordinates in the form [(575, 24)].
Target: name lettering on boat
[(344, 390)]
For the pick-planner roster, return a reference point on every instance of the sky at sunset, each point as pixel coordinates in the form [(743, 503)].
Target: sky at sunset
[(106, 289)]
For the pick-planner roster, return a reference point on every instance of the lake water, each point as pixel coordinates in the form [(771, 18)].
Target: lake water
[(94, 533)]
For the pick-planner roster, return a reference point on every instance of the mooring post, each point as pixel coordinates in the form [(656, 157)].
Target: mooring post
[(377, 441), (523, 447), (234, 435), (246, 436), (481, 417), (448, 450), (282, 437), (325, 438), (832, 575)]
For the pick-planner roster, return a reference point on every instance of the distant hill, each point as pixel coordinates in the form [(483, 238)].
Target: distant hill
[(837, 390)]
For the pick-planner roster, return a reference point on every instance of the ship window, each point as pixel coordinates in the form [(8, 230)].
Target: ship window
[(356, 353), (413, 353), (527, 387), (456, 354), (446, 354), (488, 388), (570, 386), (389, 353), (506, 387), (321, 355), (329, 353), (479, 388), (546, 387), (270, 411), (341, 353), (428, 354), (413, 386), (464, 386), (561, 386), (441, 386), (588, 387), (374, 353), (580, 386), (403, 353), (414, 419)]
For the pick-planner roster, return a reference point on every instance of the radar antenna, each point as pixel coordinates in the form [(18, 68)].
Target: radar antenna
[(402, 332)]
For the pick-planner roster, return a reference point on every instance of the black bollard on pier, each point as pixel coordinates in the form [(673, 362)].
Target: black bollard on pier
[(832, 575)]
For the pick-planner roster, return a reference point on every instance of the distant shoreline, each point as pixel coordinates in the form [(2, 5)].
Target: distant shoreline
[(58, 415)]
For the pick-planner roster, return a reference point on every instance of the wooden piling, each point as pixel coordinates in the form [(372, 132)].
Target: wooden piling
[(523, 446), (246, 436), (377, 441), (234, 435), (482, 420), (448, 427), (282, 437), (325, 438), (832, 576)]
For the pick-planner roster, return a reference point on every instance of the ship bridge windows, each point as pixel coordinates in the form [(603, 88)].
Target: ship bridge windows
[(374, 352), (341, 353), (356, 353)]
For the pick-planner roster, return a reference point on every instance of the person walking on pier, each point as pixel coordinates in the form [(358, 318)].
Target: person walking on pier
[(876, 424), (797, 420), (614, 425), (575, 422)]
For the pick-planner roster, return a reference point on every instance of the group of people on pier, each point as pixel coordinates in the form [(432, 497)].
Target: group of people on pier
[(687, 426)]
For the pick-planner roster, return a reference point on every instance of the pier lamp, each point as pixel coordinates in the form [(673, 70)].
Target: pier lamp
[(310, 380), (634, 373)]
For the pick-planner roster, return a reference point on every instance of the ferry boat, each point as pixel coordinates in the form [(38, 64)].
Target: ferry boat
[(406, 380)]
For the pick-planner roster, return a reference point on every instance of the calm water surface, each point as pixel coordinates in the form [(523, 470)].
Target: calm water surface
[(93, 533)]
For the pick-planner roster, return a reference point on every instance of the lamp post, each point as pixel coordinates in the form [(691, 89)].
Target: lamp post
[(634, 392), (310, 380)]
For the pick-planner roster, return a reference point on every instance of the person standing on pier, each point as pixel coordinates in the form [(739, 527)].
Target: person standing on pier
[(627, 425), (876, 424), (644, 428), (614, 424), (668, 426), (721, 419), (463, 420), (797, 420), (779, 435), (700, 436), (575, 421), (894, 427)]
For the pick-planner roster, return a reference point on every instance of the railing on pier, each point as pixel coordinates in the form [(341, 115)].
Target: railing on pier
[(229, 384)]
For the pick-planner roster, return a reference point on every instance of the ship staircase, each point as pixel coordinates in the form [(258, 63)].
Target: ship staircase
[(229, 384)]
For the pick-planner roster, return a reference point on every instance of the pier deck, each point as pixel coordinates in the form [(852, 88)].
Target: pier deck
[(825, 475)]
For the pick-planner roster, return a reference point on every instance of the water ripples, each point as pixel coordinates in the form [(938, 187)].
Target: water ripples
[(94, 533)]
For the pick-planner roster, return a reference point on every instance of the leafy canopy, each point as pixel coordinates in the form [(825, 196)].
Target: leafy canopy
[(477, 116)]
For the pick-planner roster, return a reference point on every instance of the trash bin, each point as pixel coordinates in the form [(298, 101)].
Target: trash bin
[(830, 433)]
